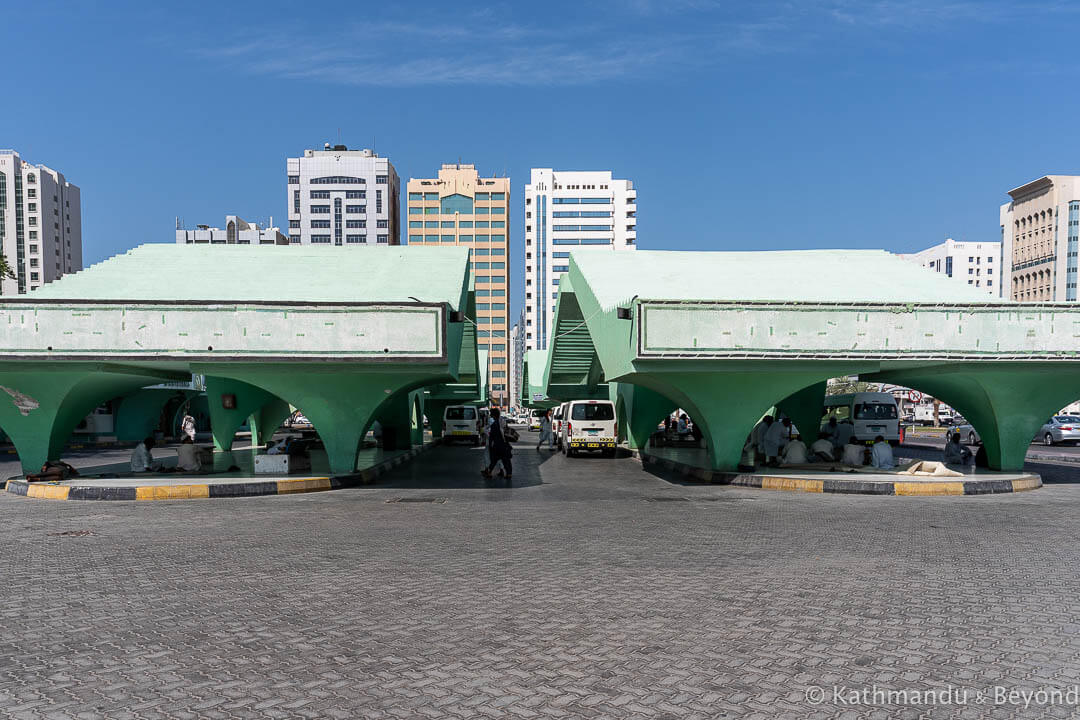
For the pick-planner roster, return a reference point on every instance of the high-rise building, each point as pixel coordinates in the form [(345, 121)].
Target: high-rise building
[(237, 231), (976, 263), (339, 196), (40, 224), (517, 358), (461, 208), (563, 211), (1040, 233)]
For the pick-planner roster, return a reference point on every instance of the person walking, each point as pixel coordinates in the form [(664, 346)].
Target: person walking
[(545, 432), (499, 447), (187, 425)]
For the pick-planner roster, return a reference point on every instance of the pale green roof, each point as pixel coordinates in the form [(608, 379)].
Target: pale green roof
[(615, 277), (300, 273)]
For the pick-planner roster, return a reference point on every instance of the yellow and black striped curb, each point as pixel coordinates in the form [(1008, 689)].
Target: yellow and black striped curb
[(57, 491), (845, 486)]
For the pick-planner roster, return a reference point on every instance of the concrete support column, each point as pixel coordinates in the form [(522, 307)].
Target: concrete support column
[(40, 407), (640, 412), (727, 404), (340, 403), (1006, 403), (267, 419), (246, 399), (804, 408)]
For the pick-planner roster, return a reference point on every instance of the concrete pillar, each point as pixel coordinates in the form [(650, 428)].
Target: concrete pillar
[(641, 410), (246, 399), (804, 408), (267, 419), (340, 402), (1006, 403), (39, 407), (727, 404)]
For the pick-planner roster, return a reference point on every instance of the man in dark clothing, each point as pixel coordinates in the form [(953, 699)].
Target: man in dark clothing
[(499, 447)]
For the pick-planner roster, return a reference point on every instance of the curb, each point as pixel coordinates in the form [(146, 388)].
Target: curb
[(845, 487), (292, 486)]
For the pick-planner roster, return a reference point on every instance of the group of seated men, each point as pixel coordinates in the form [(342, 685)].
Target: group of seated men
[(777, 443)]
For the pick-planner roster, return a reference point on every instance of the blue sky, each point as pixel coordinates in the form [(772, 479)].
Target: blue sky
[(744, 125)]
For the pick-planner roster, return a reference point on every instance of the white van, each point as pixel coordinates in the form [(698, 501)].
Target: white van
[(870, 413), (589, 425), (558, 423), (535, 418), (461, 422)]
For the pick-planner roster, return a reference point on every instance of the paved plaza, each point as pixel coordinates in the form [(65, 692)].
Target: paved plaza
[(591, 588)]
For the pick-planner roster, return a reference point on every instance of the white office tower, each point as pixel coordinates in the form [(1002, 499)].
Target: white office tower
[(40, 224), (976, 263), (564, 211), (517, 359), (339, 196)]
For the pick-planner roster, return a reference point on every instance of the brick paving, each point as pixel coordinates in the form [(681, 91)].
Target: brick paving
[(593, 588)]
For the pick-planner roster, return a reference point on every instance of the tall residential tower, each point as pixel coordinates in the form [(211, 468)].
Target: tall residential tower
[(40, 224), (563, 211), (461, 208), (339, 196)]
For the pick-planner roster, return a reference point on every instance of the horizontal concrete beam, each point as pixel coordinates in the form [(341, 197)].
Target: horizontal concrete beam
[(277, 332), (857, 331)]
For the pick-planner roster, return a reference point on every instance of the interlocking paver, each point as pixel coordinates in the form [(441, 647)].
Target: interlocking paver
[(566, 596)]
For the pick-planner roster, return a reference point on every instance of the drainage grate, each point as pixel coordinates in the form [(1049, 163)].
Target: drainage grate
[(438, 500), (663, 498), (71, 533)]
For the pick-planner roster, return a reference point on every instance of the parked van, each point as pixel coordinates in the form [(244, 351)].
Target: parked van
[(461, 422), (536, 418), (924, 415), (871, 414), (589, 425), (557, 422)]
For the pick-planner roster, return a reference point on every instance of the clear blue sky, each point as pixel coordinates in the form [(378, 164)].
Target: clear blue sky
[(744, 125)]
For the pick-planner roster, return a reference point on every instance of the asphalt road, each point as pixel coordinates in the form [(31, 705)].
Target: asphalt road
[(592, 588)]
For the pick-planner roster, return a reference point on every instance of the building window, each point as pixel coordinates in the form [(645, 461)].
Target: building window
[(354, 239), (416, 238), (356, 208), (383, 239), (33, 277), (294, 179), (416, 196), (355, 224), (317, 224), (320, 239), (294, 224), (382, 179), (355, 194), (457, 203), (448, 224), (320, 209), (320, 195), (338, 180), (382, 223), (378, 201), (416, 224)]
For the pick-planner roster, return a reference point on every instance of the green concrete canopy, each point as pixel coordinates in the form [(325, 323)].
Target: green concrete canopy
[(533, 376), (726, 335), (343, 333)]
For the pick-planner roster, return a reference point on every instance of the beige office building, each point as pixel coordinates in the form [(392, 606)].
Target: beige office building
[(461, 208), (1040, 232)]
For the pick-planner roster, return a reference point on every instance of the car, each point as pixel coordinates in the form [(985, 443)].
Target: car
[(1060, 429), (968, 434), (535, 417)]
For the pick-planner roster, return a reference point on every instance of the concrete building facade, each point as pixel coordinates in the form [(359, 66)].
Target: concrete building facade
[(1040, 233), (976, 263), (461, 208), (565, 210), (237, 231), (517, 357), (40, 223), (341, 197)]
